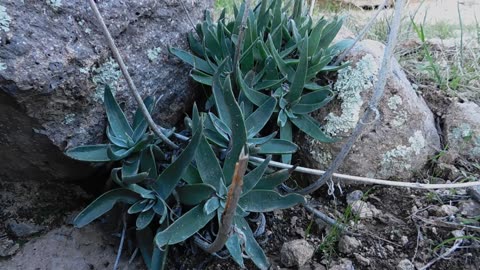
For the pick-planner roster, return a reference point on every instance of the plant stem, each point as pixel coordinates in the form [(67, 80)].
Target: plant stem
[(131, 85), (238, 50), (122, 239), (372, 106), (366, 180), (231, 205)]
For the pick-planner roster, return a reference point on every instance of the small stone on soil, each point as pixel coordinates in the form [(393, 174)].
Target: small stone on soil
[(446, 210), (469, 208), (365, 209), (296, 253), (354, 196), (23, 229), (343, 264), (362, 260), (405, 264), (348, 244)]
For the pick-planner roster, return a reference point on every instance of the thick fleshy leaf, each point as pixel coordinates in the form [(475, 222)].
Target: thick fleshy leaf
[(194, 61), (268, 200), (251, 179), (286, 70), (256, 97), (144, 219), (312, 102), (271, 181), (191, 175), (300, 76), (257, 120), (211, 205), (286, 133), (115, 140), (201, 77), (91, 153), (252, 248), (169, 178), (277, 146), (148, 163), (140, 124), (103, 204), (130, 166), (117, 120), (144, 193), (139, 206), (308, 125), (194, 194), (184, 227), (262, 140), (329, 32), (233, 245), (209, 167)]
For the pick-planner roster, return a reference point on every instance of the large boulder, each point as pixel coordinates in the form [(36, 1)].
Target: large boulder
[(396, 145), (54, 63)]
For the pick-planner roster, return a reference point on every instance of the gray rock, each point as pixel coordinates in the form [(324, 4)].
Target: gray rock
[(23, 229), (343, 264), (362, 260), (354, 196), (348, 244), (55, 62), (70, 248), (446, 210), (8, 247), (405, 264), (399, 143), (296, 253), (469, 208), (365, 210), (462, 131)]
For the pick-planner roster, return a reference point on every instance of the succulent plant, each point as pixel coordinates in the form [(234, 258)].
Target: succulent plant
[(282, 54)]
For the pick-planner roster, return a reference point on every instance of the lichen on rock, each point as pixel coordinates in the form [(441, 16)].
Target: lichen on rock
[(397, 159), (54, 4), (153, 54), (394, 103), (351, 82), (107, 74), (5, 19)]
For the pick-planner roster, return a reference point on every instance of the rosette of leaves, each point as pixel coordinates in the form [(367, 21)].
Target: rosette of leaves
[(212, 183), (281, 57), (142, 183)]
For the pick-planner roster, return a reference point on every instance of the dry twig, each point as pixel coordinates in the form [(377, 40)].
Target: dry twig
[(131, 85)]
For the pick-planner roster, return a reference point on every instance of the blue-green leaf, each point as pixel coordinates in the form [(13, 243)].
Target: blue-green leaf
[(184, 227), (257, 120), (286, 133), (308, 125), (277, 146), (91, 153), (268, 200), (299, 79), (312, 101), (117, 120), (144, 219), (234, 247), (103, 204), (209, 166), (252, 248), (211, 205), (169, 178), (194, 194), (194, 61), (191, 175), (271, 181), (256, 97), (251, 179)]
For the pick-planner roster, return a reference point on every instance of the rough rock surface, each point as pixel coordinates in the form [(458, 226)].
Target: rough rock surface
[(399, 143), (70, 248), (462, 131), (54, 62), (296, 253)]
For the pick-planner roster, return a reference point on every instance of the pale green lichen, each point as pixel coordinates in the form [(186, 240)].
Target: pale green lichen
[(399, 158), (54, 4), (400, 116), (3, 66), (69, 118), (465, 136), (153, 54), (5, 19), (83, 70), (351, 82), (318, 154), (106, 74)]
